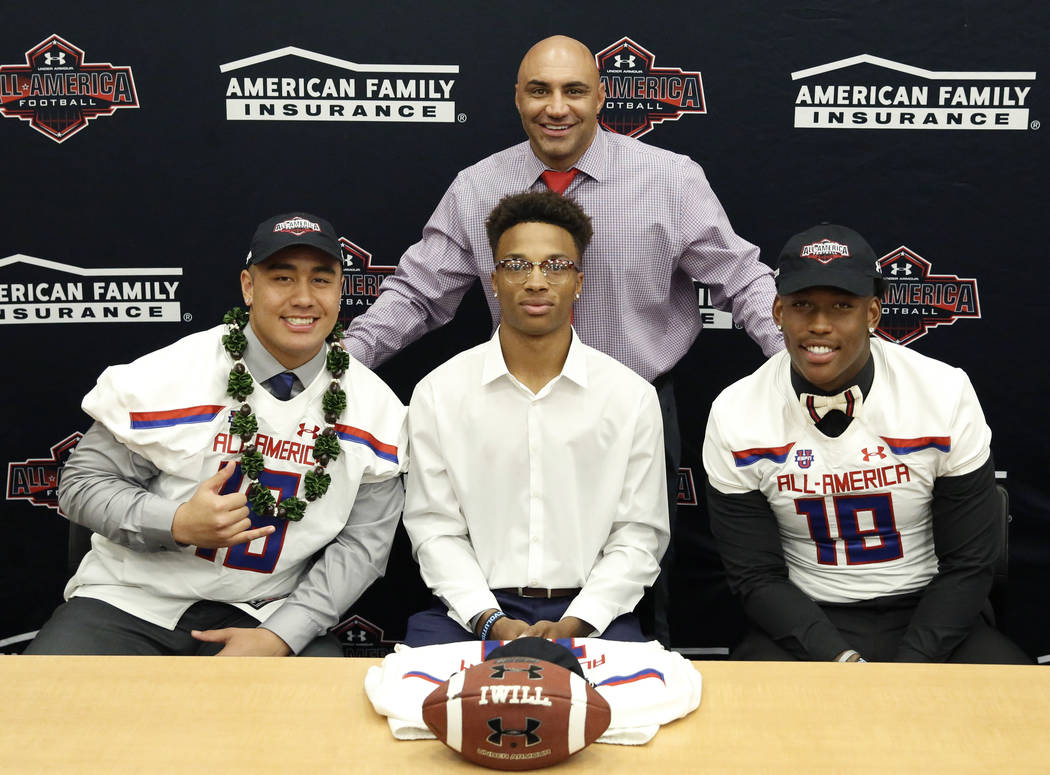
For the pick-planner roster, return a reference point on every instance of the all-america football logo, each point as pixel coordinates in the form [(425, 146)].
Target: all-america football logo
[(825, 251), (361, 280), (296, 226), (917, 300), (638, 94), (294, 84), (870, 92), (36, 480), (361, 638), (686, 495), (57, 92)]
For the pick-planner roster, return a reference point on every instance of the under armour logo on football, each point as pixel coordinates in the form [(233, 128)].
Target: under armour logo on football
[(529, 732), (51, 59), (620, 61), (358, 635), (535, 671), (879, 452), (313, 431), (903, 268)]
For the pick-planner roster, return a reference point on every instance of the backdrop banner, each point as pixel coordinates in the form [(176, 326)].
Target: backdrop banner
[(142, 144)]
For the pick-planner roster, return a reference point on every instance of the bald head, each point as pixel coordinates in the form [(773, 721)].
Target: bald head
[(558, 50), (559, 96)]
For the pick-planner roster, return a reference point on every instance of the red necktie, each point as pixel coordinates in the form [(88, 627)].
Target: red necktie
[(558, 181)]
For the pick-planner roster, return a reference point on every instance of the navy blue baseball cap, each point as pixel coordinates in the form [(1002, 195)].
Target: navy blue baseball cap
[(830, 255), (539, 648), (289, 229)]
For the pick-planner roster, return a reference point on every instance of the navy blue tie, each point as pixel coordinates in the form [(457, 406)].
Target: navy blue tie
[(281, 385)]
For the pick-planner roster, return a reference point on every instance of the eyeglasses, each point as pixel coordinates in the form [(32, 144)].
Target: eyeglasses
[(518, 270)]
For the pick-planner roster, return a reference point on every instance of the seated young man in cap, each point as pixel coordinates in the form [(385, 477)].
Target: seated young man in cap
[(243, 483), (536, 502), (850, 484)]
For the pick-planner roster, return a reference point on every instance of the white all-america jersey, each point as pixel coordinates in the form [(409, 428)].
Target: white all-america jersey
[(644, 684), (853, 511), (171, 407)]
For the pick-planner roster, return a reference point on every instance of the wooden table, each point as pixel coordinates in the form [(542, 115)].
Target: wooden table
[(201, 715)]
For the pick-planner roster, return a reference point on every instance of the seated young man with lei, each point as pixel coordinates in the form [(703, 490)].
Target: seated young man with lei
[(243, 483), (850, 483)]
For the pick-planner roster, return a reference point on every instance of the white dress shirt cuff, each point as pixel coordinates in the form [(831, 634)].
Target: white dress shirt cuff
[(592, 611), (466, 608)]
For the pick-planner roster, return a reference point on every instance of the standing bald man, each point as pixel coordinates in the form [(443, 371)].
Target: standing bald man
[(657, 225)]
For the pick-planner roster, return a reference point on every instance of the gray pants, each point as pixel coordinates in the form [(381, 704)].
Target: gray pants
[(84, 625)]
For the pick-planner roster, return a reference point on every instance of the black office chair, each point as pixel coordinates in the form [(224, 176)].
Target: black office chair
[(997, 596), (78, 544)]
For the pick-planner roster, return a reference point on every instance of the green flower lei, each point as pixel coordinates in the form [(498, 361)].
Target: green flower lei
[(244, 424)]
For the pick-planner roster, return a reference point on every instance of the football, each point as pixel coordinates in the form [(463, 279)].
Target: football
[(516, 713)]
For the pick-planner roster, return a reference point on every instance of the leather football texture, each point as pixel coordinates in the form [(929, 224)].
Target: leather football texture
[(516, 713)]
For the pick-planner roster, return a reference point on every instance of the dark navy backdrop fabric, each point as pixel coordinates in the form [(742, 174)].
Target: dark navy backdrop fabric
[(148, 211)]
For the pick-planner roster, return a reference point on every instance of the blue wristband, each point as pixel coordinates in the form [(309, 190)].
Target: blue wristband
[(489, 622)]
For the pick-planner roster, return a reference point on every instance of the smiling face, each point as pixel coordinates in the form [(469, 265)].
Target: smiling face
[(536, 307), (826, 333), (294, 297), (559, 96)]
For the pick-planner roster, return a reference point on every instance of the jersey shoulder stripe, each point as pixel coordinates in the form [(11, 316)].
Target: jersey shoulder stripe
[(907, 446), (619, 680), (171, 417), (358, 436), (746, 457)]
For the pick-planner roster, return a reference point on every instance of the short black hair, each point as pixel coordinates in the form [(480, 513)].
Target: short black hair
[(879, 291), (539, 207)]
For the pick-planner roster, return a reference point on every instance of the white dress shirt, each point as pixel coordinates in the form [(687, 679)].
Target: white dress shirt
[(561, 488)]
